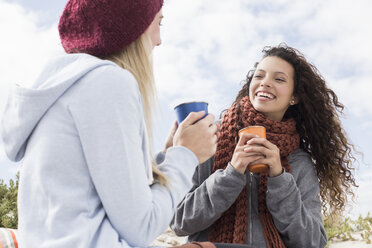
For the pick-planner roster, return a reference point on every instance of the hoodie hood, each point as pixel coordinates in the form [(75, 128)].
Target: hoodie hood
[(26, 106)]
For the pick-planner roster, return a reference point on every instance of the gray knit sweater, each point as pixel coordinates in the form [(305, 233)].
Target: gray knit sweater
[(292, 199)]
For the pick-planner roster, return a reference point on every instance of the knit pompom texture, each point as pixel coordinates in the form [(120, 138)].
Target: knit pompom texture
[(103, 27)]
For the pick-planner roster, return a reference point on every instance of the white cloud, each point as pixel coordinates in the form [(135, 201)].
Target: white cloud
[(367, 125), (24, 47), (210, 45), (354, 92), (363, 199)]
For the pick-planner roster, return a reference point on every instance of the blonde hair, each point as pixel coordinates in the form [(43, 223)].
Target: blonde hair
[(137, 59)]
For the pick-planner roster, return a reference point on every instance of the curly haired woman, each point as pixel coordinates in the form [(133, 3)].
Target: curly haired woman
[(308, 156)]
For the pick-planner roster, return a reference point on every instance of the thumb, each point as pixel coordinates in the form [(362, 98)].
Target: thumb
[(192, 118), (174, 127)]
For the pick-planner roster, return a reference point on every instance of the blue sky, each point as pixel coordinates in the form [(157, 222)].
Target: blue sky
[(209, 46)]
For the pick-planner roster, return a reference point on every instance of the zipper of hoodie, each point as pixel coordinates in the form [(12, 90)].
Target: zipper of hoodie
[(250, 208)]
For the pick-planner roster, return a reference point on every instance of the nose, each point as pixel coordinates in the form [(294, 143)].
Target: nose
[(159, 42), (155, 44), (265, 82)]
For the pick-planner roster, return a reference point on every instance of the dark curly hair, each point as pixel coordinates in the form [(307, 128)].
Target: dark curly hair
[(321, 133)]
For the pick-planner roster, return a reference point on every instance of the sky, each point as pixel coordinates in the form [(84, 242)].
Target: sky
[(207, 49)]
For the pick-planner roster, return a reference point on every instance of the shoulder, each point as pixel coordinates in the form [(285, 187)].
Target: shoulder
[(111, 76), (301, 164), (109, 84), (299, 155), (107, 89)]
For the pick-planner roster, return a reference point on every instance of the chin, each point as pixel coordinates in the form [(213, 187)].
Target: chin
[(258, 107)]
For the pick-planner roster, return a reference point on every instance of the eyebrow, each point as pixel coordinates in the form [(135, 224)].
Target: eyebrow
[(276, 72)]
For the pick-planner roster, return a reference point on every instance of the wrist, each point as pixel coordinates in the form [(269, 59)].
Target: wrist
[(240, 169), (275, 174), (166, 147)]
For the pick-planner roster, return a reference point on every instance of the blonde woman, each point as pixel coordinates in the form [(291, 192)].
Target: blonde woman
[(84, 133)]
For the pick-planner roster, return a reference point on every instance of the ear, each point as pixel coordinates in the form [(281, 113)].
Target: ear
[(294, 100)]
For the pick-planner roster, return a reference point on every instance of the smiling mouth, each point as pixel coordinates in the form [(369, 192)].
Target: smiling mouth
[(266, 95)]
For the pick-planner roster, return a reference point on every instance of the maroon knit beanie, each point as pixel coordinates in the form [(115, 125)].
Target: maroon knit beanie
[(103, 27)]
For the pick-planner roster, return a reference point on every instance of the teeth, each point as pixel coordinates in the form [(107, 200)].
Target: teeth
[(264, 94)]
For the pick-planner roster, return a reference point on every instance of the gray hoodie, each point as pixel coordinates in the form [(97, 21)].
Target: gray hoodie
[(292, 200), (86, 177)]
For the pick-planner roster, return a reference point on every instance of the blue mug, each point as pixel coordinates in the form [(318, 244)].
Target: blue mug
[(184, 109)]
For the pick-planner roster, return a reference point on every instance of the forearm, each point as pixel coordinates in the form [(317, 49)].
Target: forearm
[(205, 203)]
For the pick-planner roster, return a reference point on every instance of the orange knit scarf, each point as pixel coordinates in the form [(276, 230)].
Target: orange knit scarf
[(232, 225)]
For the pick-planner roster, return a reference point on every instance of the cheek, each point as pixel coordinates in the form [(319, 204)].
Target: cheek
[(252, 88), (155, 36), (286, 92)]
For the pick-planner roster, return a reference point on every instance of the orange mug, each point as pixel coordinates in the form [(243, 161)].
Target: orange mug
[(260, 131)]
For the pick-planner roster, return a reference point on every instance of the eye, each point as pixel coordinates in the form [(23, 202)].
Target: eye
[(161, 20), (257, 76), (280, 79)]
